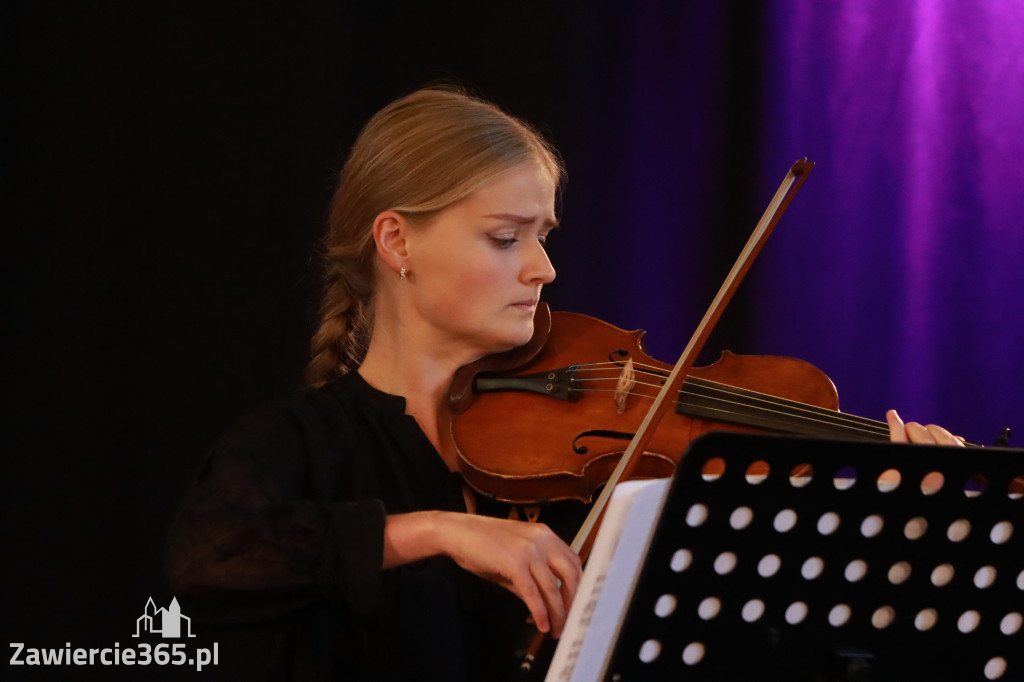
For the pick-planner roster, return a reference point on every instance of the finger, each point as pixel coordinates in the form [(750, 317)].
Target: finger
[(944, 437), (570, 573), (568, 568), (919, 434), (897, 431), (551, 593), (527, 589), (568, 594), (570, 576)]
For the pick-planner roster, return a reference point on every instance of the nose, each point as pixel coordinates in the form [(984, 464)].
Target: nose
[(537, 268)]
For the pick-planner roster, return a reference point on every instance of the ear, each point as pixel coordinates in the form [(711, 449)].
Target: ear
[(390, 232)]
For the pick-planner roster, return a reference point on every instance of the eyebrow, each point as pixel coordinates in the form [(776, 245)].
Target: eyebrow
[(520, 219)]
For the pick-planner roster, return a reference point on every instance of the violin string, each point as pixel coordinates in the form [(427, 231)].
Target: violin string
[(726, 389), (732, 390), (805, 420), (789, 410), (783, 403), (744, 400), (618, 367), (781, 417)]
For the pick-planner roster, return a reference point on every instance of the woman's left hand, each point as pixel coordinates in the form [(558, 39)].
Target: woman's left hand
[(912, 432)]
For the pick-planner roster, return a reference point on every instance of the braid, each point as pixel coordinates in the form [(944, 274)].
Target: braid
[(346, 319)]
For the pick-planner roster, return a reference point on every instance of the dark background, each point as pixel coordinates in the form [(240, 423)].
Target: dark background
[(172, 165)]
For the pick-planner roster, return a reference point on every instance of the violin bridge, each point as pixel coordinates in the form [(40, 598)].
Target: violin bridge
[(627, 380)]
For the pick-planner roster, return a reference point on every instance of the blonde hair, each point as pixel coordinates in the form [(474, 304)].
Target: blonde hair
[(417, 156)]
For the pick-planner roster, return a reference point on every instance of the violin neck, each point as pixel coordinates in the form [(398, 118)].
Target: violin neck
[(722, 403)]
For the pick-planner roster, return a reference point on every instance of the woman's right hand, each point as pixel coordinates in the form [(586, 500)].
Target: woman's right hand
[(526, 558)]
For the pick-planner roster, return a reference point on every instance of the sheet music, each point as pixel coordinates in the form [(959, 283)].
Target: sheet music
[(618, 553)]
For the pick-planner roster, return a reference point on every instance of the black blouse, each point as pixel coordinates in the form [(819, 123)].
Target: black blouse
[(280, 541)]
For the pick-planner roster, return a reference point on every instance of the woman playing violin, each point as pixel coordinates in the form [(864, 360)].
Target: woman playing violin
[(329, 525)]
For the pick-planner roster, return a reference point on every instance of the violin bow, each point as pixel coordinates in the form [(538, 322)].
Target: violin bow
[(772, 215), (583, 541)]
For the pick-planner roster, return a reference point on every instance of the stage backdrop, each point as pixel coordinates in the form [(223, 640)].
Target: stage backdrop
[(899, 269)]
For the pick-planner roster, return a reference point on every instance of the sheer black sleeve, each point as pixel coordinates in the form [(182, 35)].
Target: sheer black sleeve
[(258, 537)]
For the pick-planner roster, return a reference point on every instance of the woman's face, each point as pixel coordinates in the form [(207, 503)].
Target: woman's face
[(478, 266)]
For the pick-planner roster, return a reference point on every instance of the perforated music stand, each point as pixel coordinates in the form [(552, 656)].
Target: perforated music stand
[(793, 559)]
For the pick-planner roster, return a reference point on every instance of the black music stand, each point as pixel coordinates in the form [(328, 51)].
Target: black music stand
[(780, 558)]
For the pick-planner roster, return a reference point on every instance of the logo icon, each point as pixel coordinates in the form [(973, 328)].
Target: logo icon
[(167, 621)]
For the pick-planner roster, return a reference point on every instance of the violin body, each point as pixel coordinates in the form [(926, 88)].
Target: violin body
[(555, 426)]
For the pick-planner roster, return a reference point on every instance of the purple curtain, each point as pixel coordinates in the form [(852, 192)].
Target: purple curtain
[(902, 272), (899, 269)]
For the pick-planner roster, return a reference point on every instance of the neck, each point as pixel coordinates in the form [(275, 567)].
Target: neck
[(404, 359)]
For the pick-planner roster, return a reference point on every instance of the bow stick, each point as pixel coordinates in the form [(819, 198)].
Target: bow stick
[(583, 541)]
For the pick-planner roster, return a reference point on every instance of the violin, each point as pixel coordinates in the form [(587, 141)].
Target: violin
[(554, 426)]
